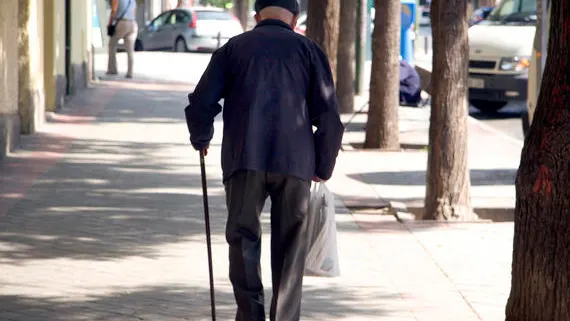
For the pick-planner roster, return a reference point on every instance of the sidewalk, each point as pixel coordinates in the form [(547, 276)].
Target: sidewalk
[(101, 219), (400, 176)]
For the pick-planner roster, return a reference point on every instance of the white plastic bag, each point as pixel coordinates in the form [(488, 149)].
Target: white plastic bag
[(322, 251)]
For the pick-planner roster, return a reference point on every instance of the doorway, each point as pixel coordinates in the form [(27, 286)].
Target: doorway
[(68, 71)]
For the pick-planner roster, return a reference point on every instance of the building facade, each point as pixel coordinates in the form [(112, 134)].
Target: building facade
[(9, 119), (45, 50)]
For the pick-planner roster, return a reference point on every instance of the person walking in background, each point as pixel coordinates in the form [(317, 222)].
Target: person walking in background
[(276, 85), (123, 17)]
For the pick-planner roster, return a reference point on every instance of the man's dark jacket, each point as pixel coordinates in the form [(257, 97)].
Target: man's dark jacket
[(276, 85)]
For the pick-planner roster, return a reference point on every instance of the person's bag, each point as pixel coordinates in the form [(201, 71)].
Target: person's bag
[(322, 251), (111, 28)]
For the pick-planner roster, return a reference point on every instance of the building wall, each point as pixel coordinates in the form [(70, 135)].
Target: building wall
[(31, 65), (157, 7), (54, 53), (35, 66), (9, 120), (81, 22)]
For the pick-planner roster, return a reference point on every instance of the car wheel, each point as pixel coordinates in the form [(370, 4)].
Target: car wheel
[(488, 106), (180, 45), (138, 45)]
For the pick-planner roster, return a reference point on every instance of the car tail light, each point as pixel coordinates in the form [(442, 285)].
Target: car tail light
[(194, 23)]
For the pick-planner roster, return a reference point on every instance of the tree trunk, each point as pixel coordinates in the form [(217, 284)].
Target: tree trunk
[(541, 254), (382, 128), (323, 27), (241, 10), (346, 56), (447, 182)]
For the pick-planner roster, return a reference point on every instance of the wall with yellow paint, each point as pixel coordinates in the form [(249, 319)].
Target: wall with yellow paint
[(31, 65), (81, 24), (54, 53), (9, 120)]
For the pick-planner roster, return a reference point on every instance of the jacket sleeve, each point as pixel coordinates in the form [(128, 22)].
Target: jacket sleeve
[(324, 113), (203, 103)]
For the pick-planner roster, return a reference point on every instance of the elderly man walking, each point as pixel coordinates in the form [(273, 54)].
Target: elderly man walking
[(276, 86)]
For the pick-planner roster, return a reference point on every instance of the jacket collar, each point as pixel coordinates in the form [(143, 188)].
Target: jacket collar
[(273, 22)]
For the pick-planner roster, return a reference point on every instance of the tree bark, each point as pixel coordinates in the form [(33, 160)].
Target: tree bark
[(241, 9), (382, 128), (323, 27), (448, 182), (541, 253), (346, 56)]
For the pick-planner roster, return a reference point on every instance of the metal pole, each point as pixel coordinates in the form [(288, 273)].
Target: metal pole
[(544, 17), (208, 233), (362, 20), (219, 39)]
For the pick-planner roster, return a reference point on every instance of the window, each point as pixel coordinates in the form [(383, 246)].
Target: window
[(528, 5), (161, 20), (509, 7), (181, 17), (514, 11), (178, 17)]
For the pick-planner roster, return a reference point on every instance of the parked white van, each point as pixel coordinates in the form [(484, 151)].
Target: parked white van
[(500, 51), (538, 58)]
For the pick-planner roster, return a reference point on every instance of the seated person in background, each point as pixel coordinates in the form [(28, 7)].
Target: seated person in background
[(410, 85)]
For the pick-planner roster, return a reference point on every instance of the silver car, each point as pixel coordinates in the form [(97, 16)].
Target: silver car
[(189, 29)]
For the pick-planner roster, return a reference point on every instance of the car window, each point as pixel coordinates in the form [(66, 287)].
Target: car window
[(528, 5), (213, 15), (161, 20), (510, 7), (517, 11), (507, 8), (180, 17)]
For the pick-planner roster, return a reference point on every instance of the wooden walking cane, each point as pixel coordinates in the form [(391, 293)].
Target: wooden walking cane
[(208, 234)]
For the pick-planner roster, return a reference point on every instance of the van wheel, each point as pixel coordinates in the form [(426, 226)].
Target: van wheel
[(488, 106), (180, 45), (138, 45)]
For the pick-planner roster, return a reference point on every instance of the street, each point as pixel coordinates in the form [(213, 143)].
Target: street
[(506, 120)]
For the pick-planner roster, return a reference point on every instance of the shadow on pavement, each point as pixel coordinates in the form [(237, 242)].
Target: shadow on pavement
[(148, 107), (178, 302), (88, 207), (513, 110)]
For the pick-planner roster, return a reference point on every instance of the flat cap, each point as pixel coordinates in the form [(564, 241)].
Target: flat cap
[(291, 5)]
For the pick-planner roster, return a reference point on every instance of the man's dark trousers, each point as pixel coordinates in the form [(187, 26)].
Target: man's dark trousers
[(246, 192)]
